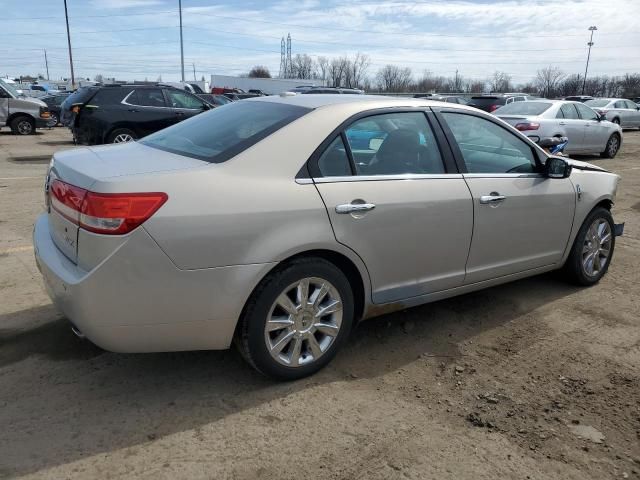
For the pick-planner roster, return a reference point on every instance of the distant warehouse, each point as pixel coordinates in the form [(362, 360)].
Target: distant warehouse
[(270, 86)]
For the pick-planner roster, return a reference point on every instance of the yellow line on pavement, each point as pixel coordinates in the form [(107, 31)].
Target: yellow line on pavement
[(24, 248)]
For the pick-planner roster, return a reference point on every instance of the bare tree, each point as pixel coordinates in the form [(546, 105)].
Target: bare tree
[(456, 83), (429, 83), (630, 85), (337, 70), (98, 78), (259, 71), (500, 82), (358, 70), (571, 85), (475, 86), (302, 66), (548, 79), (392, 78), (323, 68)]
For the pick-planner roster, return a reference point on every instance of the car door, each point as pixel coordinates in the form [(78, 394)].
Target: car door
[(4, 106), (401, 210), (522, 219), (596, 132), (572, 126), (634, 113), (147, 111), (183, 104)]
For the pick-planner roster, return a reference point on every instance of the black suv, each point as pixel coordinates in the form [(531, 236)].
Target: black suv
[(490, 103), (122, 113)]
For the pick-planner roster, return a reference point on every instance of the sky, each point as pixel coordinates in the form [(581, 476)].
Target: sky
[(138, 39)]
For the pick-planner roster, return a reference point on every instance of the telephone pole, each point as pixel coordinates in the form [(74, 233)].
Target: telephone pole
[(194, 72), (46, 62), (593, 28), (66, 16), (181, 45)]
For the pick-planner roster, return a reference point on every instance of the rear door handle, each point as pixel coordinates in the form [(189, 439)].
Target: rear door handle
[(133, 110), (492, 199), (562, 123), (354, 207)]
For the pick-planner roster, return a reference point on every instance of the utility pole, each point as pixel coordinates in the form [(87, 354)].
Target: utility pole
[(66, 16), (46, 62), (194, 72), (181, 45), (592, 28)]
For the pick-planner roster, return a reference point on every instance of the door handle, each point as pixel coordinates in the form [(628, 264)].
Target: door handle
[(354, 207), (133, 110), (562, 123), (492, 199)]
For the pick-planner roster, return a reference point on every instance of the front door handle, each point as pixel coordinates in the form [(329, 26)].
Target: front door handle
[(354, 207), (492, 199), (562, 123)]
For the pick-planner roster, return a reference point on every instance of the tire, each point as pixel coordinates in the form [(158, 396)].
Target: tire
[(54, 120), (287, 351), (576, 266), (122, 135), (616, 121), (612, 146), (23, 125)]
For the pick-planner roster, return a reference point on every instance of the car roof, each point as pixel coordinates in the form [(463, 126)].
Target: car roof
[(365, 101)]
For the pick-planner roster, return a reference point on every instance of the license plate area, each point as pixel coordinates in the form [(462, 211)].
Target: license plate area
[(64, 235)]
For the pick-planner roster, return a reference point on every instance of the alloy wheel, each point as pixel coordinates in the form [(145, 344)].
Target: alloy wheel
[(123, 138), (25, 127), (596, 247), (613, 146), (303, 322)]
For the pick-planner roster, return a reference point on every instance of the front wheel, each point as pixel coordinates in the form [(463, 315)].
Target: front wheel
[(23, 125), (122, 135), (297, 319), (612, 146), (592, 249)]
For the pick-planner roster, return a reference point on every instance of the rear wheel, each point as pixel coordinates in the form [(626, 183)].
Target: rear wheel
[(612, 147), (122, 135), (616, 121), (23, 125), (592, 249), (297, 319)]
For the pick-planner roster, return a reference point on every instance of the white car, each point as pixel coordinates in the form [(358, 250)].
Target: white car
[(587, 131), (618, 110)]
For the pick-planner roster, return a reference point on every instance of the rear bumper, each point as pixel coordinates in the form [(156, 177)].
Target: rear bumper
[(136, 300)]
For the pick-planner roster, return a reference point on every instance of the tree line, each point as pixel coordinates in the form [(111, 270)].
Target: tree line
[(356, 72)]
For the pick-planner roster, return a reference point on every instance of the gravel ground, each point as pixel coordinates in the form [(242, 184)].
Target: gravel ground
[(536, 379)]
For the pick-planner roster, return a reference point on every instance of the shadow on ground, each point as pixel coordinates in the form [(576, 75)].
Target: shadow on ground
[(91, 401)]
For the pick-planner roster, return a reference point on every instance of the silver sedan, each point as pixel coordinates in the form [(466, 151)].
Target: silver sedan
[(279, 222), (587, 131), (618, 110)]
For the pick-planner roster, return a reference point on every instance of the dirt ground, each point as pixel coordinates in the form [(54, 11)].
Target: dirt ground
[(532, 380)]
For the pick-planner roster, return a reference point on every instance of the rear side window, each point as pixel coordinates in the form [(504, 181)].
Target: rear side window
[(334, 161), (222, 133), (568, 111), (524, 108), (110, 96), (147, 97), (489, 148)]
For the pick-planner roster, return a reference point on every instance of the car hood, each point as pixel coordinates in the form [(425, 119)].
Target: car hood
[(34, 100), (584, 165)]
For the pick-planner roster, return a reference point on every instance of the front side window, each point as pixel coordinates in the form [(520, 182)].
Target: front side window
[(222, 133), (178, 99), (586, 113), (569, 112), (489, 148), (631, 105), (393, 144)]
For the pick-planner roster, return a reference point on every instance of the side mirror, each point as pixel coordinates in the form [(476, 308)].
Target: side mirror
[(557, 167)]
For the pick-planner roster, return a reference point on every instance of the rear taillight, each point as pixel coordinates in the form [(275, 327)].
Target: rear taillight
[(523, 127), (493, 108), (106, 213)]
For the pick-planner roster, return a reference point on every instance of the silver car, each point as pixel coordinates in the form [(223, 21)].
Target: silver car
[(617, 110), (586, 130), (279, 222)]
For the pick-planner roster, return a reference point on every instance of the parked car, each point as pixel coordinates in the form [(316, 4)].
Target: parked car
[(586, 131), (126, 112), (491, 102), (214, 100), (579, 98), (226, 226), (450, 99), (617, 110), (20, 113), (189, 87), (54, 103)]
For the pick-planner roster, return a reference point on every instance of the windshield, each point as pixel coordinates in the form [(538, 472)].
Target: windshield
[(523, 108), (597, 102), (222, 133), (9, 88)]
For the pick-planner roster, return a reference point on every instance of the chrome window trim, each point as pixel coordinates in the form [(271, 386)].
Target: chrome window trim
[(380, 178), (124, 102), (503, 175)]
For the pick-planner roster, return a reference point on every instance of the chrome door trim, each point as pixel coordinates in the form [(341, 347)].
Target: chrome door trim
[(124, 102), (380, 178), (503, 175)]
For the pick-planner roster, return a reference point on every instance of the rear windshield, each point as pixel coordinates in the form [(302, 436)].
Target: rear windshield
[(484, 101), (79, 96), (597, 102), (224, 132), (523, 108)]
